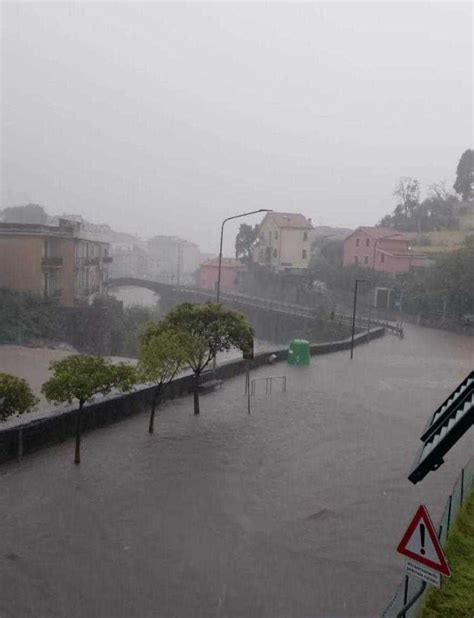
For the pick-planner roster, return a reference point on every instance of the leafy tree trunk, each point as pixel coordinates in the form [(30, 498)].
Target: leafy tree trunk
[(154, 403), (77, 455), (196, 393)]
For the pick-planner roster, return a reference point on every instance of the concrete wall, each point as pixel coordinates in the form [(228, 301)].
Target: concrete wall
[(32, 436)]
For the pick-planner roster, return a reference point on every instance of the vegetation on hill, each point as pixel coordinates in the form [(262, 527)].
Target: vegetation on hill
[(464, 184), (30, 213), (440, 210), (456, 597), (446, 286)]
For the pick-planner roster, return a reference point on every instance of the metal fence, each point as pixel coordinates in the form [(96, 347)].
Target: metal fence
[(268, 380), (410, 586)]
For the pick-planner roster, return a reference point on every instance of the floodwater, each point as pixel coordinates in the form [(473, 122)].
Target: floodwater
[(293, 511), (130, 296)]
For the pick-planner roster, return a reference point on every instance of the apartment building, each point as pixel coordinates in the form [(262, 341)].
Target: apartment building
[(55, 261), (284, 241), (175, 260), (381, 249)]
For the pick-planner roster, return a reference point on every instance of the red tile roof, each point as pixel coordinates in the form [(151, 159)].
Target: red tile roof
[(382, 232), (289, 220)]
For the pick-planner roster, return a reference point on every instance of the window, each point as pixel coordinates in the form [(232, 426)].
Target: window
[(367, 242), (356, 259), (357, 242), (276, 235), (275, 253), (382, 257), (304, 253), (270, 235), (366, 259), (305, 235)]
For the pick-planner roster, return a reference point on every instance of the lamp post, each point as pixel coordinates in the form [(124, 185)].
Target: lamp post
[(218, 288), (357, 281), (244, 214)]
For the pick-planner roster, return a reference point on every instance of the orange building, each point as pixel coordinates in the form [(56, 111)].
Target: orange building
[(53, 261), (208, 273)]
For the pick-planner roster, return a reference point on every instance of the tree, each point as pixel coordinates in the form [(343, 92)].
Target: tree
[(81, 378), (30, 213), (206, 330), (15, 396), (245, 241), (465, 176), (161, 358)]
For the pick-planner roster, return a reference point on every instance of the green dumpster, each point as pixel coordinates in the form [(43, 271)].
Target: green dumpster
[(298, 353)]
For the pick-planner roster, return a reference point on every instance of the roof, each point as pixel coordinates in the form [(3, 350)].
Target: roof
[(226, 263), (401, 254), (66, 229), (293, 220), (381, 232)]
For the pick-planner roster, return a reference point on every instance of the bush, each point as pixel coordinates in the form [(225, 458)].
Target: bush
[(26, 316), (15, 396)]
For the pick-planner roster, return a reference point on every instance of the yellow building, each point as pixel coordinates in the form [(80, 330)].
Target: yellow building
[(284, 241)]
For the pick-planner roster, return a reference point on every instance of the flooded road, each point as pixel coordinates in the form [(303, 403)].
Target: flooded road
[(293, 511)]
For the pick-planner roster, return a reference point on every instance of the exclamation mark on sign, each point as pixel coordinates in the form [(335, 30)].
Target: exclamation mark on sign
[(422, 538)]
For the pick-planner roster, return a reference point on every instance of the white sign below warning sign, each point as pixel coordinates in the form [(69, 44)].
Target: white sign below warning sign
[(424, 573)]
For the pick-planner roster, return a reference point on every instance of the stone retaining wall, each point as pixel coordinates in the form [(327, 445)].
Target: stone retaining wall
[(31, 436)]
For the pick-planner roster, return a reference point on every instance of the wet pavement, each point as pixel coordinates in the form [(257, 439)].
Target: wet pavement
[(293, 511)]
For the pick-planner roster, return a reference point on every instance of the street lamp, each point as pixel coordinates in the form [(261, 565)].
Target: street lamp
[(218, 289), (357, 281), (244, 214)]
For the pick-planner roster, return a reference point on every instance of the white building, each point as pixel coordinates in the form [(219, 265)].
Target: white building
[(284, 241), (175, 260)]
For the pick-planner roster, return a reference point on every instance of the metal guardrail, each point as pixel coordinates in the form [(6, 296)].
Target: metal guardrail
[(410, 586), (365, 322), (274, 305)]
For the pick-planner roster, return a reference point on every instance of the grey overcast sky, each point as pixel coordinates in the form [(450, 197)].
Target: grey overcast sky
[(165, 118)]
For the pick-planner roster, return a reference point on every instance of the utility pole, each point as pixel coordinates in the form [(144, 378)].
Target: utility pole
[(357, 281)]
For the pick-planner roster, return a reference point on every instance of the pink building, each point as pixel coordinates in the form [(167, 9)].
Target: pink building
[(208, 272), (381, 249)]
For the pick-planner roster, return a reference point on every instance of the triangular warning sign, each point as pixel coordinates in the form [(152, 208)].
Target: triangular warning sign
[(420, 542)]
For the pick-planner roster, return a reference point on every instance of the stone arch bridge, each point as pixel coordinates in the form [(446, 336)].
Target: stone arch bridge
[(273, 320)]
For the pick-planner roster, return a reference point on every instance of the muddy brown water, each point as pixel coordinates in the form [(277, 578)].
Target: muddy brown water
[(293, 511)]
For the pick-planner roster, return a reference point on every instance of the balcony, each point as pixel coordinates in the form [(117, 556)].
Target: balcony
[(52, 263), (92, 261), (107, 259)]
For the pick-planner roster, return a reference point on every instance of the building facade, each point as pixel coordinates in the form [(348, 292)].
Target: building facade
[(381, 249), (129, 260), (284, 241), (53, 261), (209, 272), (174, 259)]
